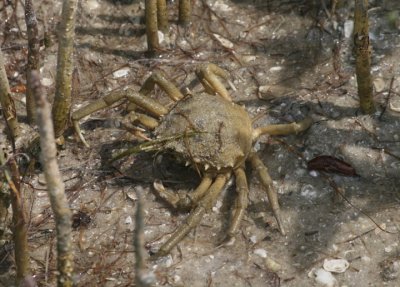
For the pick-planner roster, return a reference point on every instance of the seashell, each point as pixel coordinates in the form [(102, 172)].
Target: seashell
[(336, 265)]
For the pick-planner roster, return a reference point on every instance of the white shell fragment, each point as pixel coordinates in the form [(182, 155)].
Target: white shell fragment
[(348, 28), (336, 265), (325, 278), (121, 73), (260, 252), (47, 82), (223, 41), (128, 220)]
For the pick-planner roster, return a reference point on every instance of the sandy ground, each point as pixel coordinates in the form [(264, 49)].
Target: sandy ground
[(302, 54)]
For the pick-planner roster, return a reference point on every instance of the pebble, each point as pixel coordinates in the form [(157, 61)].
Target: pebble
[(47, 82), (260, 252), (272, 264), (128, 220), (276, 69), (379, 85), (348, 28), (325, 278)]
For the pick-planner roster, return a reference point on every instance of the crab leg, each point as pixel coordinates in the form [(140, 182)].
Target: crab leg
[(283, 129), (186, 200), (99, 104), (196, 215), (145, 120), (207, 75), (159, 79), (241, 201), (144, 102), (266, 181)]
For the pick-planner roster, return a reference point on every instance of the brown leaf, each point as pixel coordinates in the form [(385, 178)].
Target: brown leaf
[(329, 163), (20, 89)]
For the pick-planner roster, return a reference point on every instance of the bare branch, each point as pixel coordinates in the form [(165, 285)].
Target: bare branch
[(55, 185), (33, 56), (62, 100), (7, 103)]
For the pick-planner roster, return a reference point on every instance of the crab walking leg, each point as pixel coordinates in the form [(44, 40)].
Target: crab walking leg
[(146, 103), (207, 75), (99, 104), (266, 181), (196, 215), (166, 85), (283, 129), (241, 201), (147, 121), (188, 199)]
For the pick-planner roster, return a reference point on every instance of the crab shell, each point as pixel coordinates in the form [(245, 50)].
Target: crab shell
[(217, 133)]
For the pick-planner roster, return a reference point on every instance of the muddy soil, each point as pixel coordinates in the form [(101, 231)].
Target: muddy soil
[(287, 60)]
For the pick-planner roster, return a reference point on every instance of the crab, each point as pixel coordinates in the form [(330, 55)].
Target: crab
[(208, 132)]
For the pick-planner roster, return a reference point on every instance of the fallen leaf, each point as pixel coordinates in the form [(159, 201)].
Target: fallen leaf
[(332, 164)]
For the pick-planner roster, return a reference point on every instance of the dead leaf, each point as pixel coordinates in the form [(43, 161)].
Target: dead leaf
[(332, 164)]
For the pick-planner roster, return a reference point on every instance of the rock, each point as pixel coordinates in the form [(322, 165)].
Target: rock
[(325, 278)]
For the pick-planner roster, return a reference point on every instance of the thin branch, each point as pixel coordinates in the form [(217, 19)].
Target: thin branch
[(55, 185), (62, 100), (151, 26), (19, 229), (363, 56), (7, 103), (33, 56), (138, 242)]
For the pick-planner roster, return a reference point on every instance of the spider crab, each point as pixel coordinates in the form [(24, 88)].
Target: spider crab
[(209, 132)]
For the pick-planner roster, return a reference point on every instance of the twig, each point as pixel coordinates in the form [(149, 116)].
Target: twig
[(7, 103), (387, 98), (55, 185), (185, 12), (138, 242), (62, 99), (162, 15), (33, 56), (362, 50), (151, 26), (19, 229)]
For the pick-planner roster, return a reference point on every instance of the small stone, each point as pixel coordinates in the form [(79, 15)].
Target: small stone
[(379, 85), (272, 264), (276, 69), (348, 28), (260, 252), (47, 82), (128, 220), (325, 278)]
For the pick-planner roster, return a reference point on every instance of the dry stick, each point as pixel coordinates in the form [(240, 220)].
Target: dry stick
[(185, 12), (19, 228), (7, 103), (363, 57), (151, 26), (138, 242), (33, 56), (55, 185), (62, 100), (162, 15), (387, 98)]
